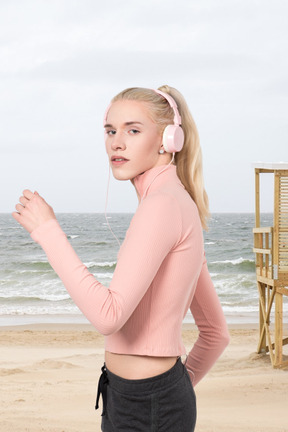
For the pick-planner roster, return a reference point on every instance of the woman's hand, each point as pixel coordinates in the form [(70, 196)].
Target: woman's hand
[(32, 211)]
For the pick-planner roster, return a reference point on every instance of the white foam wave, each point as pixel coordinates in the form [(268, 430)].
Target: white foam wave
[(100, 264), (104, 275), (234, 262), (30, 310)]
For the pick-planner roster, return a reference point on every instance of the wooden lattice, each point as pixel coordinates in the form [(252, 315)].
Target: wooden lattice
[(283, 224), (271, 249)]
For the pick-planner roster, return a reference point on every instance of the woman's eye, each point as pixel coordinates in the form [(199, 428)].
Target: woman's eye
[(134, 131), (110, 132)]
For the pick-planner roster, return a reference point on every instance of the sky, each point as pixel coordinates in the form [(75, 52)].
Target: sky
[(62, 61)]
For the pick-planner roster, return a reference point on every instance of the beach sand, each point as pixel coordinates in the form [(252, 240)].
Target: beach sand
[(49, 376)]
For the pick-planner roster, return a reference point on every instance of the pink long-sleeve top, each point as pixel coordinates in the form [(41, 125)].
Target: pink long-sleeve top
[(161, 272)]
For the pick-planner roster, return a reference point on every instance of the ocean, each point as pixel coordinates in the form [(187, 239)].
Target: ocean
[(30, 291)]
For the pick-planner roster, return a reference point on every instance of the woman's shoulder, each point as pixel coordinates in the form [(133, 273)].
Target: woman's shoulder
[(160, 201), (172, 196)]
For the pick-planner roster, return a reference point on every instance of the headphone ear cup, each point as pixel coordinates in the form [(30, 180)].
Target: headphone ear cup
[(173, 138)]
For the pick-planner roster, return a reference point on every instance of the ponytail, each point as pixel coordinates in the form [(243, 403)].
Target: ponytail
[(189, 160)]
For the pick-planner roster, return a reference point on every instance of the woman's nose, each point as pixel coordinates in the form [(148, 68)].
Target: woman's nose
[(118, 142)]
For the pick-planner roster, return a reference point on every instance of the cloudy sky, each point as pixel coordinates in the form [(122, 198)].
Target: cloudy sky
[(62, 61)]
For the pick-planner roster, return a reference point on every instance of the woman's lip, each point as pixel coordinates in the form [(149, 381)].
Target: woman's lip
[(116, 161)]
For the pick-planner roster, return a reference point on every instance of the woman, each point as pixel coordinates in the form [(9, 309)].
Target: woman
[(161, 270)]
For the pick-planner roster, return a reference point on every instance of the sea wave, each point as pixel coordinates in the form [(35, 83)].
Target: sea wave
[(109, 265), (104, 276), (33, 299), (234, 262), (25, 310), (238, 264), (33, 265)]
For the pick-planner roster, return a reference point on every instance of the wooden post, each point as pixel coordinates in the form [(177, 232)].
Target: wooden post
[(259, 264), (257, 198), (262, 308), (276, 226), (278, 328)]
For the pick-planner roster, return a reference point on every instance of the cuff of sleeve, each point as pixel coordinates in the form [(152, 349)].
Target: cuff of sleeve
[(190, 373), (45, 230)]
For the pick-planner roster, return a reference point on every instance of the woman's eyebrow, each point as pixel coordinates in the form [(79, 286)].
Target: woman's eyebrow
[(125, 124), (132, 122)]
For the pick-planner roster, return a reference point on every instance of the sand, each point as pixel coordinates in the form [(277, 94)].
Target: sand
[(49, 377)]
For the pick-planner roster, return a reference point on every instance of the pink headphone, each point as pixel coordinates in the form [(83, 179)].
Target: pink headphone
[(173, 135)]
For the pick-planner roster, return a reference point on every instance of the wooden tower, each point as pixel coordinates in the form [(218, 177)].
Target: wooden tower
[(271, 249)]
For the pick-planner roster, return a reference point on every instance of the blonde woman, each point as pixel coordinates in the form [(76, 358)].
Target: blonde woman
[(151, 140)]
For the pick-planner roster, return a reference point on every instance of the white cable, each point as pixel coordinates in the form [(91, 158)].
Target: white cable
[(146, 190), (106, 203), (164, 169)]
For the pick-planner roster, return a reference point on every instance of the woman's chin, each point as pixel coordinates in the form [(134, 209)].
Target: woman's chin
[(121, 176)]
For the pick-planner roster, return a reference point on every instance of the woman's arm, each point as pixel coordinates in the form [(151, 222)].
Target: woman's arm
[(154, 230), (213, 332)]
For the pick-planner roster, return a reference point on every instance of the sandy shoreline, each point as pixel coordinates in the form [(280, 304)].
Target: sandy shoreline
[(49, 376)]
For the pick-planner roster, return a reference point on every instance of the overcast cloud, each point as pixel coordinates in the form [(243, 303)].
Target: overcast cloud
[(62, 61)]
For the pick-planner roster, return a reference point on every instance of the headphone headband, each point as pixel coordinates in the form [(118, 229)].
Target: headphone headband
[(170, 100), (173, 135), (173, 105)]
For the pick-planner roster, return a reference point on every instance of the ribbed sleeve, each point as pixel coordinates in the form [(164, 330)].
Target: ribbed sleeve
[(213, 332), (143, 250)]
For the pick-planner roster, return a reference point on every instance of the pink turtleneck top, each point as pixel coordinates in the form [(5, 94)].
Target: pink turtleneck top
[(161, 272)]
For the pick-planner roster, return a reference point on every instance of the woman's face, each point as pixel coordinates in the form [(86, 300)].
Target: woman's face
[(132, 139)]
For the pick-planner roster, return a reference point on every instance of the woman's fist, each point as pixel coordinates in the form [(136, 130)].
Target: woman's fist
[(32, 211)]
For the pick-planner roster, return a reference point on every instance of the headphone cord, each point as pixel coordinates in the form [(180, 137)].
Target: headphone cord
[(106, 203), (144, 195), (160, 172)]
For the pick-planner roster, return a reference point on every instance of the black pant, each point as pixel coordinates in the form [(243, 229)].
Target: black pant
[(164, 403)]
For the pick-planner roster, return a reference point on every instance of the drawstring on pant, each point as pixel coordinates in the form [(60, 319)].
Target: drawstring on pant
[(102, 388)]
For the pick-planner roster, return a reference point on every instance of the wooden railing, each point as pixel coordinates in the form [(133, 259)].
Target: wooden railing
[(263, 248)]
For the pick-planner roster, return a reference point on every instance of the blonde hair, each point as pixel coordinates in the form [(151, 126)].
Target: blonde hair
[(189, 160)]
